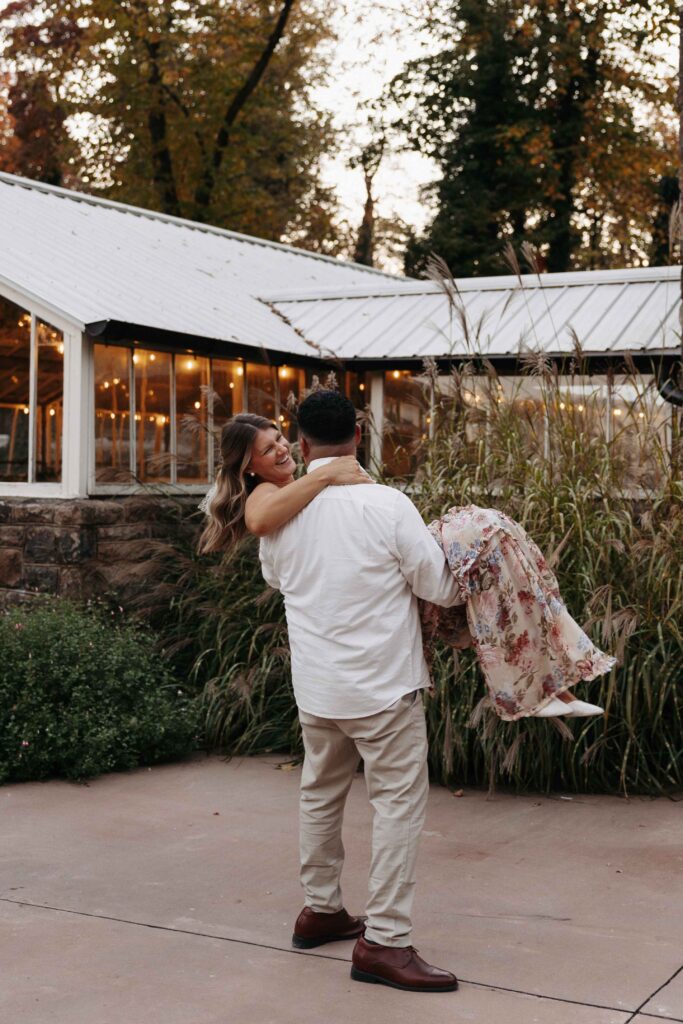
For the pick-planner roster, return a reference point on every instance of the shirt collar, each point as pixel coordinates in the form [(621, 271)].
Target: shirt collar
[(321, 462)]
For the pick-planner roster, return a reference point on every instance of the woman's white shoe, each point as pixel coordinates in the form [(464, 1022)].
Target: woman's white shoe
[(582, 709), (555, 708)]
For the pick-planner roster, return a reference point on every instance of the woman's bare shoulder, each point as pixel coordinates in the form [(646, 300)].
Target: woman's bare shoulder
[(261, 490)]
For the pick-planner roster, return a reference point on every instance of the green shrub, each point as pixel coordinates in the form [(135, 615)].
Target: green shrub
[(80, 695)]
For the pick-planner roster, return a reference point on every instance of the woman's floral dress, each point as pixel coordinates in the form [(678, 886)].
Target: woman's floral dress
[(527, 643)]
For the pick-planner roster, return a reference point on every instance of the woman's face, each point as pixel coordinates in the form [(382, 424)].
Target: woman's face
[(270, 459)]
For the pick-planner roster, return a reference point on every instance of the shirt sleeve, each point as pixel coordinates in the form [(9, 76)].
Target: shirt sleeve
[(267, 568), (421, 559)]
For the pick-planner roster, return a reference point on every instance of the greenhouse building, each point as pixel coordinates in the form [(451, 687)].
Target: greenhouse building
[(127, 337)]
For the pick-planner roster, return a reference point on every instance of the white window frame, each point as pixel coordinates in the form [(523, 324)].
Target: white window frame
[(171, 487), (72, 484)]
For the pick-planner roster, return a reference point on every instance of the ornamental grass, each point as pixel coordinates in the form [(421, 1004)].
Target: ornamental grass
[(603, 503)]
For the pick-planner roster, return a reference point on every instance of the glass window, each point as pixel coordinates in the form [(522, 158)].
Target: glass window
[(406, 408), (50, 402), (15, 359), (112, 414), (262, 394), (152, 371), (192, 382), (355, 390), (292, 383), (228, 389)]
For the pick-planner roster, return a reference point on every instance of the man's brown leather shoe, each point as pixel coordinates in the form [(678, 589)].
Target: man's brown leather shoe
[(399, 967), (313, 929)]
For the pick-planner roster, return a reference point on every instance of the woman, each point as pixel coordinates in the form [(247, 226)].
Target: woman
[(530, 649)]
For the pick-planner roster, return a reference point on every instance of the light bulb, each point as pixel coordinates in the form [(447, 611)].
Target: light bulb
[(52, 412), (197, 405)]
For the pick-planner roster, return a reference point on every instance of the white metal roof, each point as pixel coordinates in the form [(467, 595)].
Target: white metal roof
[(92, 260), (610, 311)]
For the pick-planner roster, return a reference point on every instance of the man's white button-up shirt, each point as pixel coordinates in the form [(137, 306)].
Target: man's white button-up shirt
[(351, 566)]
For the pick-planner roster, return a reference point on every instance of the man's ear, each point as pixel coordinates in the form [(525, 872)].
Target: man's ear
[(305, 447), (357, 435)]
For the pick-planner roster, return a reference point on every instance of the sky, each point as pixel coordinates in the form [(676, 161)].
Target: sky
[(374, 42)]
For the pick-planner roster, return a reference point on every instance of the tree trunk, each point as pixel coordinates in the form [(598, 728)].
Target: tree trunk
[(365, 243), (162, 164), (204, 191)]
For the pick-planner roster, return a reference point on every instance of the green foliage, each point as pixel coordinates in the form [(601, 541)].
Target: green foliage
[(80, 695), (534, 113), (154, 94)]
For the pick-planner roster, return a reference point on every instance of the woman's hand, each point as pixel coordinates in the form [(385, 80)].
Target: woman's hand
[(344, 470)]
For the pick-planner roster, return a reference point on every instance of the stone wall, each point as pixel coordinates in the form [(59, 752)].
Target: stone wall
[(83, 547)]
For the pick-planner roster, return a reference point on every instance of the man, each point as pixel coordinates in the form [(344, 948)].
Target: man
[(351, 566)]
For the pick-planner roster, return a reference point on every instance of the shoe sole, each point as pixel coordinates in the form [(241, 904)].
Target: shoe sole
[(300, 943), (374, 979)]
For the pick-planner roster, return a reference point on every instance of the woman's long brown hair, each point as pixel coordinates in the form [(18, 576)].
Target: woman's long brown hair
[(226, 507)]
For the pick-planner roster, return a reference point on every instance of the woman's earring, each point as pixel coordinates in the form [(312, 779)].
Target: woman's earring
[(249, 473)]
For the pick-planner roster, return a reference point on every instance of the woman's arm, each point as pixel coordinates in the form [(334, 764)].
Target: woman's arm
[(269, 507)]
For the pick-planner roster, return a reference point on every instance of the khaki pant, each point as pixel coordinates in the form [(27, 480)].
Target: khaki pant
[(393, 745)]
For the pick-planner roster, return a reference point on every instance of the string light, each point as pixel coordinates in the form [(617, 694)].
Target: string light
[(25, 410), (190, 364), (361, 387), (396, 374), (283, 372), (197, 405), (106, 384), (231, 385), (53, 411), (562, 405), (580, 408), (281, 419), (136, 358), (117, 380), (240, 371), (61, 348), (112, 415), (152, 357), (641, 415), (616, 412)]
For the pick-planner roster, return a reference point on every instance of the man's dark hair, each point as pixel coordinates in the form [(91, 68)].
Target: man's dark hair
[(327, 418)]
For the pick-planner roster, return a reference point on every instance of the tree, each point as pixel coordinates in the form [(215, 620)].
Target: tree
[(542, 117), (368, 161), (197, 108)]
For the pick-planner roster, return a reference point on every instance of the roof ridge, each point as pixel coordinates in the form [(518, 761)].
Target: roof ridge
[(407, 287), (140, 211)]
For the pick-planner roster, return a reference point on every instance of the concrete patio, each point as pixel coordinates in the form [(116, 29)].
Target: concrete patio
[(167, 896)]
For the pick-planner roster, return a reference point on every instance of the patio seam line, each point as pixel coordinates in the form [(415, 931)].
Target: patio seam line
[(651, 996), (327, 956)]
